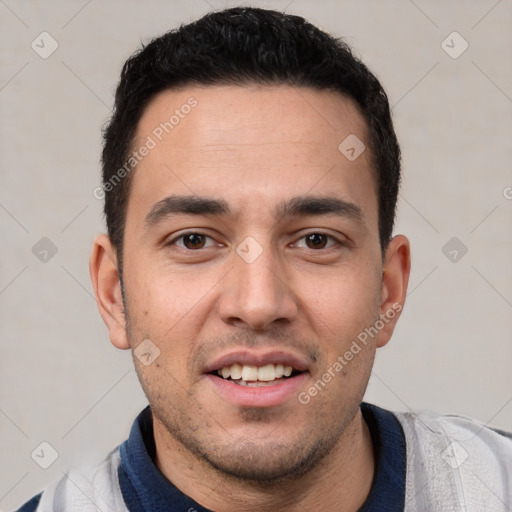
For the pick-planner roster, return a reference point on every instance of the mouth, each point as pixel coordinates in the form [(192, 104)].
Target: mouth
[(256, 376), (250, 379)]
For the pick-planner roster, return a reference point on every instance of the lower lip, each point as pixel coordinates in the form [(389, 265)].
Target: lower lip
[(263, 396)]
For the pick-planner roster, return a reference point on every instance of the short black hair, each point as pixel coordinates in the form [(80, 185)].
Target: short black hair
[(240, 46)]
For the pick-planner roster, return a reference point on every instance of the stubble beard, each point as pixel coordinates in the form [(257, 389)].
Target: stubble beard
[(264, 464), (267, 464)]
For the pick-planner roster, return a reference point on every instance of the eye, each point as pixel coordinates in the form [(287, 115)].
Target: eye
[(316, 241), (193, 241)]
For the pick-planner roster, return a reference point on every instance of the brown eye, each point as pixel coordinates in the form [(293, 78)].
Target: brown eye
[(316, 241), (193, 241)]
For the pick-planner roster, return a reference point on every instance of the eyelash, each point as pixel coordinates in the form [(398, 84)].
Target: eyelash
[(330, 238), (183, 235)]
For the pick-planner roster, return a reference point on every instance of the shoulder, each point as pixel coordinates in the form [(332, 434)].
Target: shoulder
[(454, 460), (31, 505), (461, 433), (83, 489)]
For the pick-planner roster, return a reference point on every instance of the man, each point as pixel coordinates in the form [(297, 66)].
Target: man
[(250, 175)]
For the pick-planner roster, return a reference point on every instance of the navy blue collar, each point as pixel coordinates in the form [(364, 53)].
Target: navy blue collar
[(388, 487), (145, 489)]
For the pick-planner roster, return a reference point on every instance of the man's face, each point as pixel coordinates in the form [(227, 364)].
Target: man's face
[(251, 242)]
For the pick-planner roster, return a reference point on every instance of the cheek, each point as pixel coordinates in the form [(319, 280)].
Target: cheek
[(341, 304), (161, 299), (171, 311)]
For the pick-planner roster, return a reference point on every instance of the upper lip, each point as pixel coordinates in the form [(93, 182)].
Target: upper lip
[(246, 357)]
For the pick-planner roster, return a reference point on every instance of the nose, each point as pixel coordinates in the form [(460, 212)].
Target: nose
[(257, 294)]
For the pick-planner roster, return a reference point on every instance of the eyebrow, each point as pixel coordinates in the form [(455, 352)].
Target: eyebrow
[(319, 205), (298, 206), (189, 205)]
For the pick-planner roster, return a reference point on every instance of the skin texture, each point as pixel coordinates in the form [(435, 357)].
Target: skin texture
[(255, 148)]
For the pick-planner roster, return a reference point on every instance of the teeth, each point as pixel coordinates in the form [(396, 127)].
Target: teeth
[(255, 384), (266, 373), (235, 371), (248, 373)]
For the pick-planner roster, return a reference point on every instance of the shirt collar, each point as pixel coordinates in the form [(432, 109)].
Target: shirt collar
[(145, 488)]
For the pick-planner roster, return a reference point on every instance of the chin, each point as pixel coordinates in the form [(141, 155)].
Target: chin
[(260, 453), (265, 463)]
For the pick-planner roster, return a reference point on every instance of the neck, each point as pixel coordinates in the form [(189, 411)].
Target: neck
[(341, 481)]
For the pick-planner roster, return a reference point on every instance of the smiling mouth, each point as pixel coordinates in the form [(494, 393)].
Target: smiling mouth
[(256, 376)]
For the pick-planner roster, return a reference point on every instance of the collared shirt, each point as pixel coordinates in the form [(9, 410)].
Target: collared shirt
[(145, 488)]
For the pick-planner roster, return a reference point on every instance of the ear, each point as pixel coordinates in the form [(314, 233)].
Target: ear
[(395, 277), (107, 289)]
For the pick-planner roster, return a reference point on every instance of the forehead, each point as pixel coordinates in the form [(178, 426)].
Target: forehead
[(252, 145)]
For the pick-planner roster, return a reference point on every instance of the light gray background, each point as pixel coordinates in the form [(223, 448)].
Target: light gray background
[(62, 382)]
